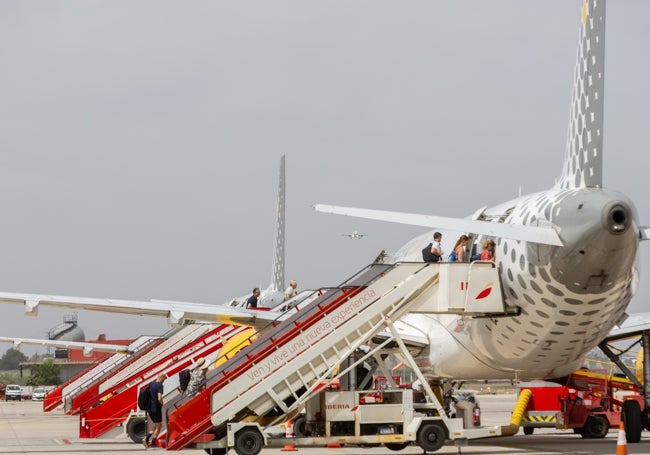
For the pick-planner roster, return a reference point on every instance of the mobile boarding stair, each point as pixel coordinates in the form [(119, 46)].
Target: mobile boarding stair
[(57, 396), (78, 396), (282, 368), (114, 401), (96, 386)]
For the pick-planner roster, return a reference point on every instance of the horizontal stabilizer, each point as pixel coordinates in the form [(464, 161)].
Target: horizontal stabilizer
[(546, 236), (644, 232)]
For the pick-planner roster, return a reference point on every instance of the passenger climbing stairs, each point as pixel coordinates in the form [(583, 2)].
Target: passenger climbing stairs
[(110, 374), (114, 399), (283, 366)]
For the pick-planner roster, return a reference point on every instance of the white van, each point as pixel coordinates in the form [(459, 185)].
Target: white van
[(13, 392)]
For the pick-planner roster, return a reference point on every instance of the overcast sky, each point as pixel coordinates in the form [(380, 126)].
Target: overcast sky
[(140, 141)]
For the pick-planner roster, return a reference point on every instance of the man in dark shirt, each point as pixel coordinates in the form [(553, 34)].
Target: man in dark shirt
[(252, 300), (155, 413)]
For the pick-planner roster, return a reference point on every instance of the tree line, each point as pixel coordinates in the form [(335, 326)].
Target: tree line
[(45, 373)]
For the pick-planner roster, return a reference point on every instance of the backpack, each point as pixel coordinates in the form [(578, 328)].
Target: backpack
[(144, 399), (184, 379), (427, 256)]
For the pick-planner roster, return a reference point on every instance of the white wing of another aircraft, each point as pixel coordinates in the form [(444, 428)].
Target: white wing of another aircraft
[(175, 312), (87, 347)]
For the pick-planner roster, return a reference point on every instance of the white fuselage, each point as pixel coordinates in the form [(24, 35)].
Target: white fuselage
[(570, 297)]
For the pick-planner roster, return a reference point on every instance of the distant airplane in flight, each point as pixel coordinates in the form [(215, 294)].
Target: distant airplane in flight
[(355, 235)]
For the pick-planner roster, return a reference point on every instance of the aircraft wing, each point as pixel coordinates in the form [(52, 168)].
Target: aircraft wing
[(414, 338), (88, 347), (634, 325), (175, 312), (546, 236)]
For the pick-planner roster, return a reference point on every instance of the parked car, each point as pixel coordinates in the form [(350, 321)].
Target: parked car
[(13, 392), (38, 394)]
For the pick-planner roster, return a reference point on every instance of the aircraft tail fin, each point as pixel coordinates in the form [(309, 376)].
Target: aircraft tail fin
[(277, 278), (583, 163)]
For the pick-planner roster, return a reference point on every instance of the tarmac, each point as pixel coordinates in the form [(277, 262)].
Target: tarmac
[(26, 429)]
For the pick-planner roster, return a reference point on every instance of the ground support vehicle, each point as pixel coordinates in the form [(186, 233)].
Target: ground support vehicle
[(280, 372), (343, 418), (13, 392), (589, 402)]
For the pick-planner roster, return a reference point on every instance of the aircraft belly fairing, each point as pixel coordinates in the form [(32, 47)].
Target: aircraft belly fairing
[(449, 352)]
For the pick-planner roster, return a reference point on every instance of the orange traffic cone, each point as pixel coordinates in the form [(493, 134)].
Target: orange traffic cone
[(621, 445), (288, 429), (289, 447)]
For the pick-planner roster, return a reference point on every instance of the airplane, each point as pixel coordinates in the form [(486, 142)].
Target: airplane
[(566, 259), (270, 297), (566, 256), (355, 235)]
